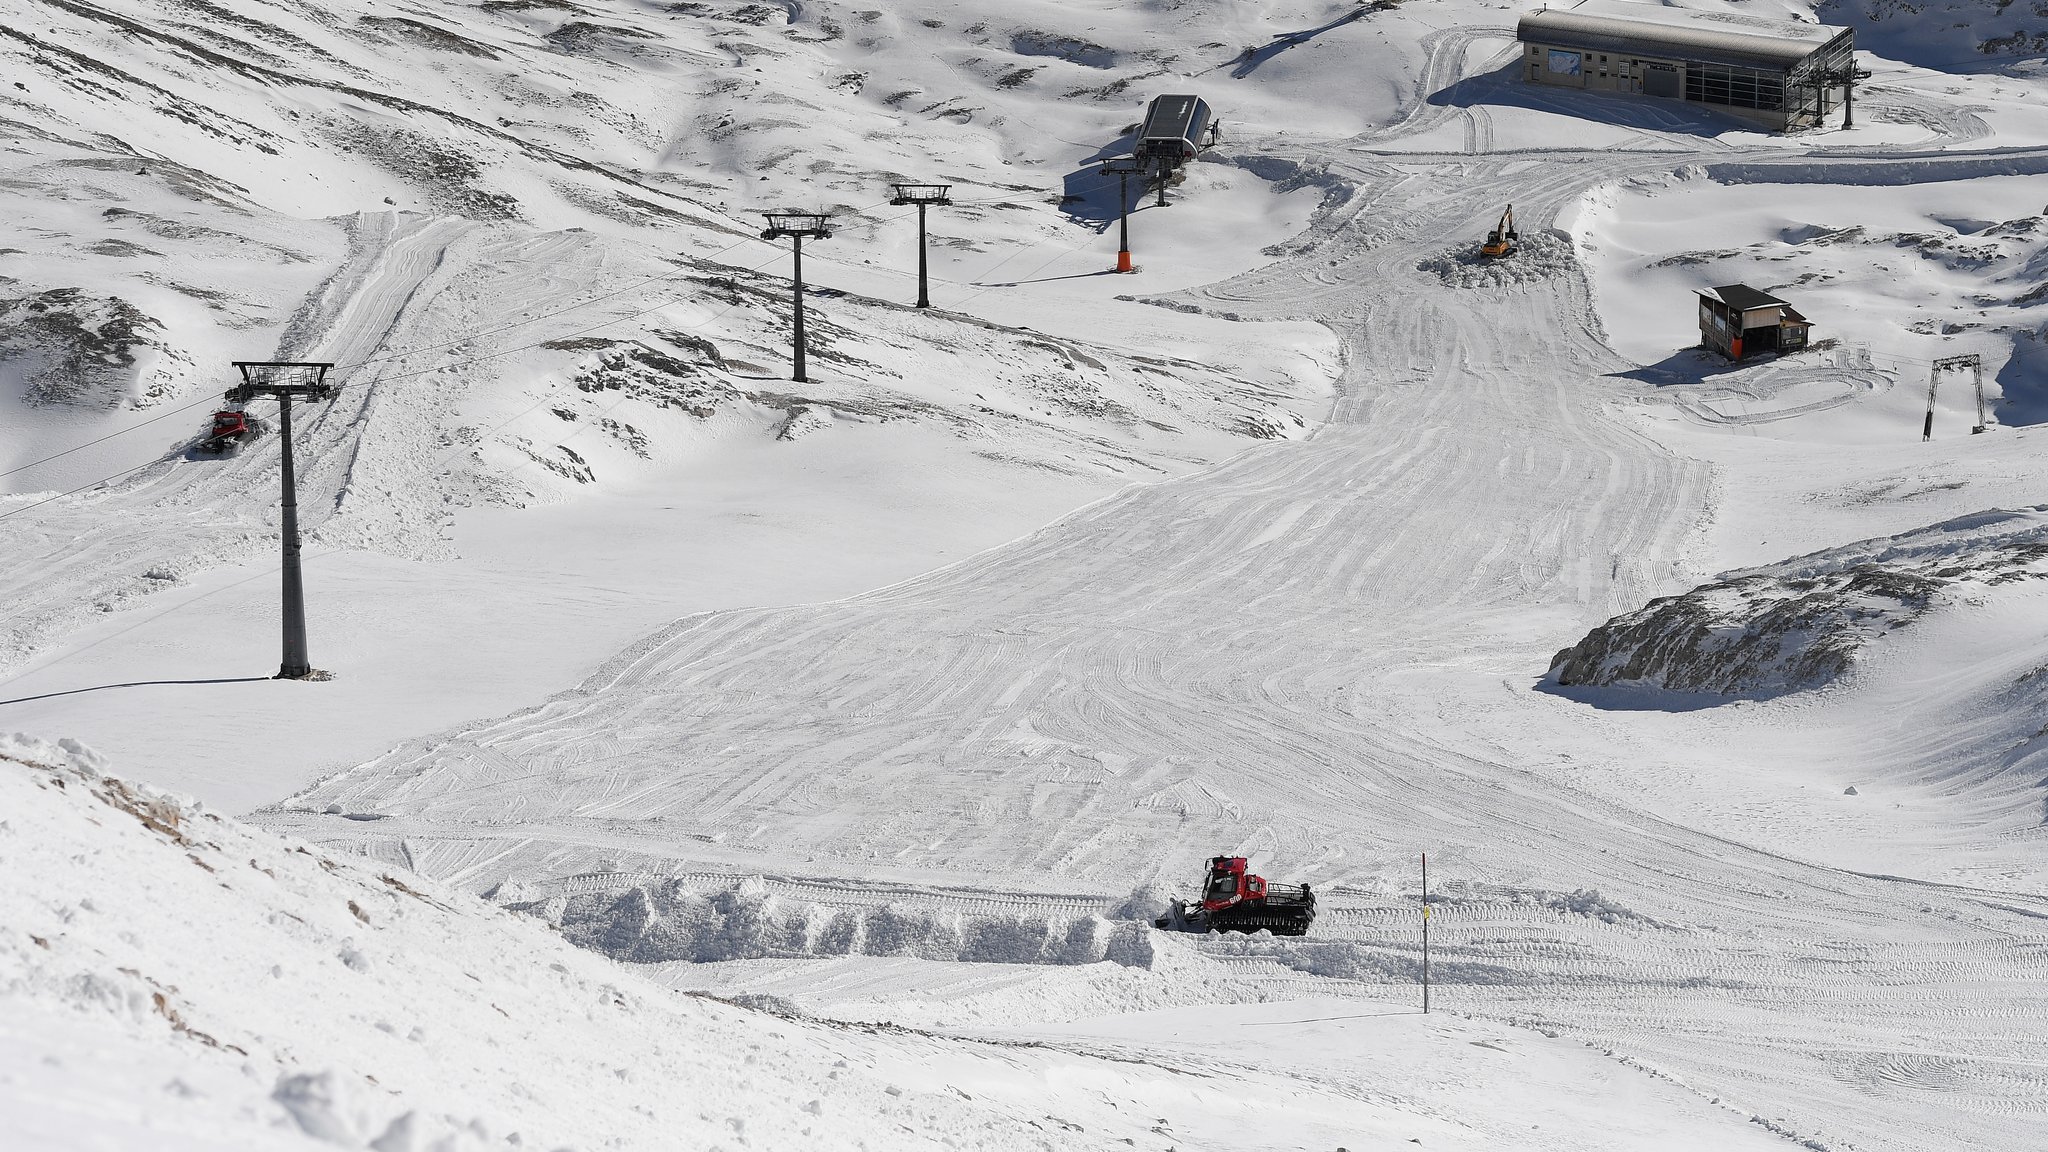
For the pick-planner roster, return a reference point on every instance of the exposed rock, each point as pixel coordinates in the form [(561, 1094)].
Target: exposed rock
[(1788, 627), (1073, 49), (1755, 634), (93, 351)]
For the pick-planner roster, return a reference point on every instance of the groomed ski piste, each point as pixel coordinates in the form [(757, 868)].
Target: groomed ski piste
[(716, 761)]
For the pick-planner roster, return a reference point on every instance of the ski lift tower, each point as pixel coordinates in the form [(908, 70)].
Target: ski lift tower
[(924, 196), (283, 381), (1970, 360), (1123, 168), (796, 226)]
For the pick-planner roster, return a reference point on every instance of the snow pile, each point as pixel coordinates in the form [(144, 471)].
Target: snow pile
[(1537, 256), (1800, 624), (648, 924), (171, 979), (1589, 902)]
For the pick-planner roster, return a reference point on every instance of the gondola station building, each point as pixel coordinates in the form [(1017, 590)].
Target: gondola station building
[(1778, 74)]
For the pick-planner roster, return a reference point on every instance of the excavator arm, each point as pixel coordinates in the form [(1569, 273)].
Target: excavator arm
[(1501, 240)]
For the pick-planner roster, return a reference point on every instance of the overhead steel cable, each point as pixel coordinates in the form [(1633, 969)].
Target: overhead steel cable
[(458, 342)]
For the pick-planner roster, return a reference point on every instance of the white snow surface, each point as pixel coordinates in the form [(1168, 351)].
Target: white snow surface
[(204, 985), (891, 702)]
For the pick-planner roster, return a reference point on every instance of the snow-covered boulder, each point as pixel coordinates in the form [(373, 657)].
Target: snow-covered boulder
[(1800, 624)]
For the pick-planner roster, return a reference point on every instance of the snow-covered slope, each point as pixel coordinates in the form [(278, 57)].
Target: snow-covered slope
[(228, 989), (528, 237), (199, 985), (902, 659)]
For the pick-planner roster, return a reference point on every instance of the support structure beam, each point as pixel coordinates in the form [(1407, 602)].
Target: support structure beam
[(796, 226), (283, 381), (924, 196)]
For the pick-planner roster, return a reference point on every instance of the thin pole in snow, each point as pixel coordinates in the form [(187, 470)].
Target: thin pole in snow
[(1933, 382), (1977, 369), (1425, 932)]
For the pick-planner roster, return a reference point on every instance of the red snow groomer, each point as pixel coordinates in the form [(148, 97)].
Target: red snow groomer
[(1234, 900), (230, 427)]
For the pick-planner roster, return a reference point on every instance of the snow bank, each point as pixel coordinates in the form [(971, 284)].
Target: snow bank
[(668, 922), (1797, 625)]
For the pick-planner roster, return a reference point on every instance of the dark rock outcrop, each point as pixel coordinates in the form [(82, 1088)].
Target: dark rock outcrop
[(1798, 625)]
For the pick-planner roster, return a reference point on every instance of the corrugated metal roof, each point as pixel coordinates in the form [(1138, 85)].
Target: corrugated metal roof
[(1171, 117), (1742, 297), (1676, 33)]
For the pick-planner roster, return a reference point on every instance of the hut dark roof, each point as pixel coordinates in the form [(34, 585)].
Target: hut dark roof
[(1742, 297)]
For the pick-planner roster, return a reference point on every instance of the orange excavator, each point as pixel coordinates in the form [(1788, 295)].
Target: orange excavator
[(1501, 241), (1234, 900)]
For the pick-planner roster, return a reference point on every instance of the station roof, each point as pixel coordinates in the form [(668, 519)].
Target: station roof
[(1742, 297), (1627, 29)]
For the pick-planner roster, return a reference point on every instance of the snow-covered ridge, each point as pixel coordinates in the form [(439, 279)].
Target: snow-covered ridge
[(1801, 623), (170, 979)]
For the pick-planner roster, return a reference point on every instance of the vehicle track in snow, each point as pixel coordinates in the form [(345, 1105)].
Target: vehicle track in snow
[(1316, 645), (74, 559)]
